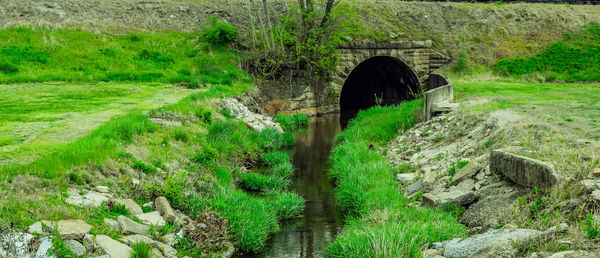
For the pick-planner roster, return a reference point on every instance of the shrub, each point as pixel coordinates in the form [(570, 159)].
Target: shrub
[(275, 157), (143, 167), (173, 188), (286, 205), (206, 156), (287, 122), (204, 114), (258, 182), (461, 65), (218, 33), (181, 135)]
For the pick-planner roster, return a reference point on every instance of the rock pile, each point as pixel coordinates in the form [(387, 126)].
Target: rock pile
[(255, 121), (77, 238)]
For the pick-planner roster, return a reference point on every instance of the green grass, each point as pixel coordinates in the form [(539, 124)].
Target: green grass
[(258, 182), (141, 250), (275, 157), (36, 119), (576, 58), (507, 94), (107, 140), (286, 205), (380, 223), (33, 54), (251, 219), (292, 122)]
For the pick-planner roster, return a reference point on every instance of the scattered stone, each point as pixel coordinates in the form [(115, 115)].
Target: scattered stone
[(432, 253), (523, 170), (135, 181), (75, 247), (71, 229), (16, 244), (148, 205), (152, 218), (182, 219), (596, 172), (494, 201), (163, 206), (168, 251), (429, 177), (112, 247), (562, 227), (454, 195), (36, 228), (229, 250), (589, 185), (500, 250), (44, 247), (170, 239), (255, 121), (156, 253), (130, 205), (88, 242), (576, 254), (131, 227), (90, 198), (113, 224), (467, 247), (596, 195), (466, 172), (406, 178), (412, 189), (101, 189)]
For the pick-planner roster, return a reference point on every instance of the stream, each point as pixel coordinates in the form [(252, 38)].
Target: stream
[(309, 235)]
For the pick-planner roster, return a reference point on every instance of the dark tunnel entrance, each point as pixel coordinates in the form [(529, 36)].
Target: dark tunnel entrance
[(381, 80)]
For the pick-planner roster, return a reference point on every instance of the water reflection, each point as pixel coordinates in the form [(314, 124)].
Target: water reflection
[(310, 235)]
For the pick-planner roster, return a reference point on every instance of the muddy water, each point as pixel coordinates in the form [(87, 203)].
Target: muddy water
[(309, 236)]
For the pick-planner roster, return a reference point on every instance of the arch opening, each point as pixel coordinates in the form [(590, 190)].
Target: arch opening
[(381, 80)]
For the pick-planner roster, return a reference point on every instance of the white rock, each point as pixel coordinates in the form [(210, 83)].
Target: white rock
[(406, 178), (101, 189), (152, 218), (130, 205), (113, 248), (113, 224), (255, 121), (90, 198), (71, 229), (131, 227), (35, 228), (163, 206), (44, 247), (75, 247)]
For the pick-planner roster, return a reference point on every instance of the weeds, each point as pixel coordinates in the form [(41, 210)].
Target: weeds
[(258, 182), (143, 167), (141, 250), (292, 122)]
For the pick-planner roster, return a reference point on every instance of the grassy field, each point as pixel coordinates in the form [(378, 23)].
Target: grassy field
[(29, 54), (379, 220), (37, 118)]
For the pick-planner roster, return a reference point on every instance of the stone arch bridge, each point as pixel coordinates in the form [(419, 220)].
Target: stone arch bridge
[(374, 72)]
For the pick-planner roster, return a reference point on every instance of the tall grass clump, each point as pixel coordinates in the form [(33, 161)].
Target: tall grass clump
[(218, 33), (286, 205), (292, 122), (258, 182), (251, 219), (380, 223), (576, 58)]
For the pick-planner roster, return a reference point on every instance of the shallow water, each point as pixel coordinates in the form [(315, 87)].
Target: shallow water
[(309, 236)]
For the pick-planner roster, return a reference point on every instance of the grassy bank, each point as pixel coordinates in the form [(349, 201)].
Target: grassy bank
[(31, 54), (379, 220), (575, 58)]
